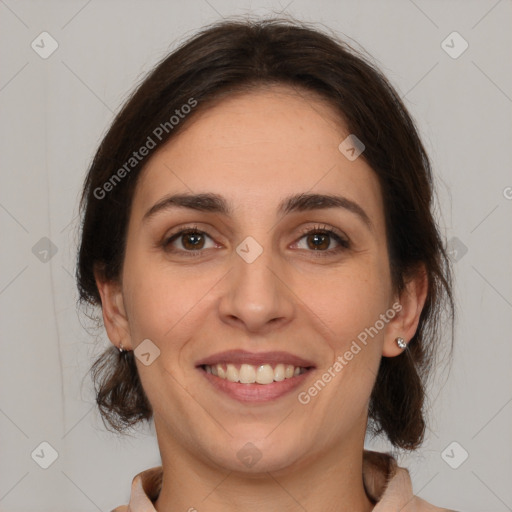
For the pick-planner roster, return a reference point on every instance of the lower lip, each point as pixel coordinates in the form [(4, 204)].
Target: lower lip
[(256, 392)]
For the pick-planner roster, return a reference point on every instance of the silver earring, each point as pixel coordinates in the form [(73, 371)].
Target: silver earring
[(401, 342), (121, 349)]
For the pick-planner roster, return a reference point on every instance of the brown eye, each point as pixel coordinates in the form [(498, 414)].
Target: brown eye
[(318, 241), (192, 240), (187, 241)]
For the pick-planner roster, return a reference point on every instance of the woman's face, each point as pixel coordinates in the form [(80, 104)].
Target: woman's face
[(250, 280)]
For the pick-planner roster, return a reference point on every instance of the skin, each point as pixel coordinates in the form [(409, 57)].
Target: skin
[(254, 149)]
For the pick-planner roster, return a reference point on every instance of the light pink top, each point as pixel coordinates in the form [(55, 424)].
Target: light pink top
[(386, 484)]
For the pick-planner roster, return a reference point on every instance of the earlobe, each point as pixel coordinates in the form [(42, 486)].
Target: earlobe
[(113, 309), (402, 328)]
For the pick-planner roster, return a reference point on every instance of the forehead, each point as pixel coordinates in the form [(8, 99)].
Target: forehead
[(256, 147)]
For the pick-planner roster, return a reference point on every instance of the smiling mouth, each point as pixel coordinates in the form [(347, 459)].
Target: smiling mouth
[(263, 374)]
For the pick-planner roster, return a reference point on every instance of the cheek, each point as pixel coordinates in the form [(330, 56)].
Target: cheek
[(358, 311), (348, 301), (164, 302), (353, 310)]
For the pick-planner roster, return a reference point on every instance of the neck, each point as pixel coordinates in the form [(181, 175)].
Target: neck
[(328, 482)]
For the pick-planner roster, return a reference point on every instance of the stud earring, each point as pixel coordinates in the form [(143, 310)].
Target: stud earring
[(401, 342), (121, 349)]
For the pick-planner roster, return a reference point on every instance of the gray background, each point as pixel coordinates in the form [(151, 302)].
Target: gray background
[(54, 112)]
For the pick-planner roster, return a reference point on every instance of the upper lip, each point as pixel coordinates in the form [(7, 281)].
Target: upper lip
[(254, 358)]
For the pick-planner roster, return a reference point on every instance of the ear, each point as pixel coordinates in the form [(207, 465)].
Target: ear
[(404, 324), (114, 313)]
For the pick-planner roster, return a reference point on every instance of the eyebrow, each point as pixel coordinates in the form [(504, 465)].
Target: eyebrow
[(214, 203)]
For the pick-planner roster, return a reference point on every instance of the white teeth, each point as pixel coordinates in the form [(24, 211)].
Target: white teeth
[(264, 374), (220, 371), (231, 373), (249, 374), (279, 372)]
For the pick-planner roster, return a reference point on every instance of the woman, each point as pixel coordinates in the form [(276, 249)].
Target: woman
[(257, 230)]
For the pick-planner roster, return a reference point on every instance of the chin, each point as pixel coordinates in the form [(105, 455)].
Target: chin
[(259, 454)]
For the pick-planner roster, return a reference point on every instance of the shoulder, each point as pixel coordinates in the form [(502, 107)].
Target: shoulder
[(144, 491), (390, 485)]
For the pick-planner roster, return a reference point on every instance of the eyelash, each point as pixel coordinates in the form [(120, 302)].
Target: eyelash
[(344, 244)]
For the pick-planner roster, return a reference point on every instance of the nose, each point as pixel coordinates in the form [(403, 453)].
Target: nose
[(258, 295)]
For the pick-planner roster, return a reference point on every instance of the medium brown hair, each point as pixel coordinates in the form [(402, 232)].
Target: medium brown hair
[(235, 55)]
